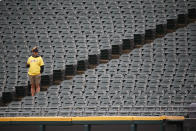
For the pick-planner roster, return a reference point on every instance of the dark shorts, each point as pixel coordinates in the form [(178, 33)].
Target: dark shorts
[(35, 80)]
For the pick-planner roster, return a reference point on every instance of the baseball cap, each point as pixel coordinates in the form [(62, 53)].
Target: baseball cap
[(35, 49)]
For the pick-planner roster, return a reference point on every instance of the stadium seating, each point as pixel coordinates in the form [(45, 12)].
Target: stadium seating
[(73, 35)]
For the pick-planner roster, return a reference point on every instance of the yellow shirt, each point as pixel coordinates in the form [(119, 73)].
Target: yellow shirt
[(35, 63)]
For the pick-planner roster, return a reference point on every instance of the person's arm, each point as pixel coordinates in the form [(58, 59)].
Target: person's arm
[(27, 65), (42, 69), (41, 65)]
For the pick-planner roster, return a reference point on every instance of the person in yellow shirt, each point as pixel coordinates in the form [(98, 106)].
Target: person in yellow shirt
[(36, 67)]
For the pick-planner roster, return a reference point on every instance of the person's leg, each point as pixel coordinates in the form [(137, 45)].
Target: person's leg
[(37, 81), (32, 81), (38, 89), (32, 90)]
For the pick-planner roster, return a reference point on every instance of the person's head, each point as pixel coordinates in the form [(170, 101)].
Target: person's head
[(35, 51)]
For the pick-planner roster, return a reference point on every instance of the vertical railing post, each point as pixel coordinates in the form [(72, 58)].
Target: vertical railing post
[(42, 128), (179, 126), (87, 127), (163, 124), (133, 127)]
